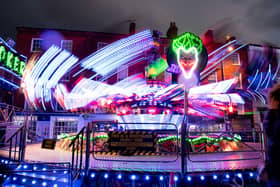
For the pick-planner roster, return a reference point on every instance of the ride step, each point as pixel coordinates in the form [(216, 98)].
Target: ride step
[(39, 174)]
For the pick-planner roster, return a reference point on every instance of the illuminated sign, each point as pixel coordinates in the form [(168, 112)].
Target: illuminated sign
[(11, 59), (48, 144), (187, 41), (157, 67), (187, 53), (131, 142), (173, 68)]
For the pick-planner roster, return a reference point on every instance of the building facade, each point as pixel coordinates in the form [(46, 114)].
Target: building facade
[(234, 60)]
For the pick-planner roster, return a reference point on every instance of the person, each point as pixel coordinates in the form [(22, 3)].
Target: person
[(272, 130)]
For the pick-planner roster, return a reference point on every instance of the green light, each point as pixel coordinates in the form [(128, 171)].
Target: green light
[(65, 135), (2, 53), (16, 63), (157, 67), (187, 41), (202, 139), (101, 136), (249, 113), (11, 60), (22, 67)]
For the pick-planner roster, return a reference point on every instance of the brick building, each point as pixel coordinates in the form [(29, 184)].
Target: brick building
[(33, 41)]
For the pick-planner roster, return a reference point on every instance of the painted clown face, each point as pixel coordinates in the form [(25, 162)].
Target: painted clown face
[(187, 60)]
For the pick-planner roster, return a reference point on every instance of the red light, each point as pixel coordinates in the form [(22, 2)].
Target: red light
[(109, 101), (230, 48), (230, 109), (123, 111), (152, 110), (191, 111), (102, 102), (167, 111), (22, 85)]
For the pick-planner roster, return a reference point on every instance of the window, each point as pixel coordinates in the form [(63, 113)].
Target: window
[(168, 77), (239, 78), (212, 77), (101, 45), (36, 44), (122, 72), (64, 127), (165, 50), (58, 107), (235, 59), (66, 77), (67, 44), (31, 133)]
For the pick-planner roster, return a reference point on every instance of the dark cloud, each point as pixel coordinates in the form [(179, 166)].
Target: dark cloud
[(264, 15), (252, 20)]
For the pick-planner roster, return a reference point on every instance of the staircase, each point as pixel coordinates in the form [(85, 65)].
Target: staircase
[(35, 174)]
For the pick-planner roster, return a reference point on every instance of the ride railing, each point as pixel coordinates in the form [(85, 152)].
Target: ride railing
[(12, 132), (229, 145), (7, 112), (7, 129), (162, 143), (77, 146), (111, 141), (17, 144)]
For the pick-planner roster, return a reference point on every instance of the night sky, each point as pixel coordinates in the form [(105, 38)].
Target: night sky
[(254, 21)]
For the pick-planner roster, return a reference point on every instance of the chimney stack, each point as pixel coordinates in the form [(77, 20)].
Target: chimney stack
[(172, 31), (132, 27), (208, 37)]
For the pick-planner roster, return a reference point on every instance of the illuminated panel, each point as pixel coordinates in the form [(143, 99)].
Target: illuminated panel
[(252, 81), (32, 80), (165, 90), (11, 59), (278, 65), (81, 94), (118, 53), (41, 90), (62, 70), (52, 65), (88, 90), (236, 98), (222, 47), (260, 80), (219, 87), (157, 67), (184, 46), (59, 72), (60, 93), (155, 120), (222, 98), (50, 69), (173, 93), (267, 77), (11, 72), (45, 73), (36, 79), (213, 66), (43, 62), (8, 82)]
